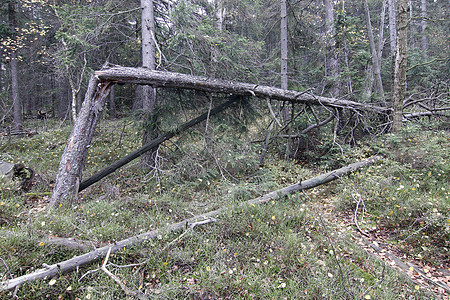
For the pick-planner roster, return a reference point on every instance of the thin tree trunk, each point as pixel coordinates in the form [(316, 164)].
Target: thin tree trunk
[(332, 68), (220, 14), (392, 26), (400, 65), (148, 92), (284, 49), (112, 103), (284, 68), (423, 25), (374, 53), (17, 105)]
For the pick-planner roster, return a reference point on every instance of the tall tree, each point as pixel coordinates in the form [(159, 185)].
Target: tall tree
[(284, 48), (376, 58), (332, 71), (392, 26), (423, 25), (284, 67), (17, 105), (400, 67), (148, 92)]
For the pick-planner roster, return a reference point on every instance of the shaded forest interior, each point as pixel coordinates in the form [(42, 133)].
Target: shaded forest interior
[(185, 108)]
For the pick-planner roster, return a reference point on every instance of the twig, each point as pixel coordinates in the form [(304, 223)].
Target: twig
[(356, 216), (128, 292), (272, 113)]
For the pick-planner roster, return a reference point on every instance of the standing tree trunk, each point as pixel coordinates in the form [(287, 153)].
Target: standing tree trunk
[(392, 27), (17, 106), (72, 161), (148, 92), (332, 72), (400, 65), (284, 68), (284, 50), (423, 25), (376, 62), (220, 14)]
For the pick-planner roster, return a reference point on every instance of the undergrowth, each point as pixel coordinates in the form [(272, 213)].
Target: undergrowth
[(283, 250)]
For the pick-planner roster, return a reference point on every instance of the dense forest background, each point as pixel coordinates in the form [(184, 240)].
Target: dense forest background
[(338, 49)]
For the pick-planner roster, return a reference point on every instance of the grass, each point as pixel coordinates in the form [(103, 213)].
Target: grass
[(287, 249)]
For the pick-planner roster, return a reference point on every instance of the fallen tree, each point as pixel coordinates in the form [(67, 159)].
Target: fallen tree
[(119, 74), (73, 159), (153, 144), (77, 261)]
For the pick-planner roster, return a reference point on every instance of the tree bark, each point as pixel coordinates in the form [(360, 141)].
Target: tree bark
[(17, 103), (284, 69), (148, 92), (332, 70), (177, 80), (423, 25), (152, 145), (72, 161), (374, 53), (77, 261), (400, 66), (392, 26), (284, 49)]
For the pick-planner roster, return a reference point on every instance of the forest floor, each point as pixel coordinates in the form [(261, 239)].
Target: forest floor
[(382, 232)]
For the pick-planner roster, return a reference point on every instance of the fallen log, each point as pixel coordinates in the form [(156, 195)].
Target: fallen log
[(119, 74), (77, 261), (153, 144)]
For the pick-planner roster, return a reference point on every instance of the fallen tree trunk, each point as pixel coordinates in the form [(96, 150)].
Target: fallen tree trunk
[(425, 114), (72, 162), (146, 76), (77, 261), (152, 145)]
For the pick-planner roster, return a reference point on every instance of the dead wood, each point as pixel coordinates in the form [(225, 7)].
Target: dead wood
[(425, 114), (119, 74), (153, 145), (69, 243), (77, 261)]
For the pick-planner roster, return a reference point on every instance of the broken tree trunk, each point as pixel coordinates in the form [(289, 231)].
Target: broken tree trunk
[(77, 261), (177, 80), (74, 156), (152, 145), (72, 161)]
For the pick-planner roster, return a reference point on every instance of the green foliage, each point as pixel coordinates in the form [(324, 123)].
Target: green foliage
[(281, 249)]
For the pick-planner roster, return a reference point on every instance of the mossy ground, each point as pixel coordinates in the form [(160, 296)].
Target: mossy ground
[(287, 249)]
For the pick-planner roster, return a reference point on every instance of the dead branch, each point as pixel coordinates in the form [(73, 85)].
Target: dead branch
[(138, 294), (77, 261)]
